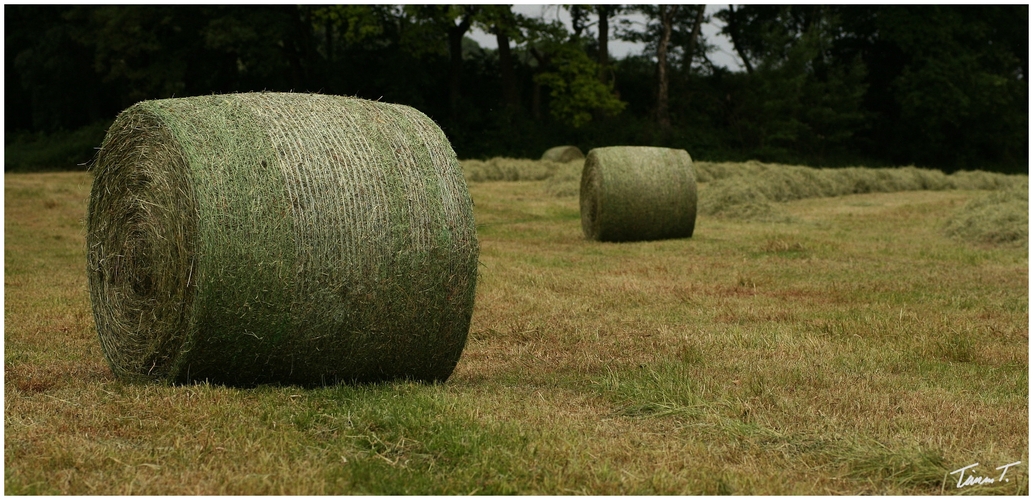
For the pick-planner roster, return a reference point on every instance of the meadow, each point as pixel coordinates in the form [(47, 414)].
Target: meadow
[(831, 343)]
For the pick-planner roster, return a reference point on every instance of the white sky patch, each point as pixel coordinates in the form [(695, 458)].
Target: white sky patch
[(724, 55)]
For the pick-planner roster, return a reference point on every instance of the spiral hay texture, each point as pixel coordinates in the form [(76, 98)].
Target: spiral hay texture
[(563, 154), (288, 238), (633, 193)]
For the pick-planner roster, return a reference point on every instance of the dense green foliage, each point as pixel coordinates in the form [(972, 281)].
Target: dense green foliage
[(934, 85)]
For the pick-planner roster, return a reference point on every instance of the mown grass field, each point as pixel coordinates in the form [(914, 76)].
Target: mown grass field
[(848, 346)]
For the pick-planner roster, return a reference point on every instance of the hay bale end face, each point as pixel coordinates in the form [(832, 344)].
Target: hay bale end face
[(633, 193), (290, 238), (563, 154)]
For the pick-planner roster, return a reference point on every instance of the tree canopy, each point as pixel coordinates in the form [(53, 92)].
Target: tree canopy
[(942, 86)]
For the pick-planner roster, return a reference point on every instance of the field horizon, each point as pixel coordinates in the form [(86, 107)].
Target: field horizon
[(849, 345)]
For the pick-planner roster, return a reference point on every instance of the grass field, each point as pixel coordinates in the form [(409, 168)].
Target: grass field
[(850, 347)]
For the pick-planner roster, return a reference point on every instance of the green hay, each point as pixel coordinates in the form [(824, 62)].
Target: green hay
[(563, 154), (290, 238), (631, 193), (752, 190), (997, 218), (561, 179), (566, 180), (508, 169), (740, 200), (707, 171)]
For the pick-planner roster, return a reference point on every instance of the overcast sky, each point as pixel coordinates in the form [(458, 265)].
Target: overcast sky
[(723, 56)]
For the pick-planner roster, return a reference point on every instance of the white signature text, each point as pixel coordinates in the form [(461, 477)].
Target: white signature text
[(971, 479)]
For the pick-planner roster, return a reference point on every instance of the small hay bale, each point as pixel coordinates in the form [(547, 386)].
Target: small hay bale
[(563, 154), (279, 238), (634, 193)]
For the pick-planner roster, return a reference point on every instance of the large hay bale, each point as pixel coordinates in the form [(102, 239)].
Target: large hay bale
[(563, 154), (633, 193), (272, 237)]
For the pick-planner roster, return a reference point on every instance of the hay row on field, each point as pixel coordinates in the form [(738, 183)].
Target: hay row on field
[(751, 193), (753, 190), (634, 193), (509, 169), (566, 180), (273, 237), (1000, 217), (859, 179)]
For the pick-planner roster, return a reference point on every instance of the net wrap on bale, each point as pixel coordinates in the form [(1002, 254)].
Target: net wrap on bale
[(273, 237), (634, 193)]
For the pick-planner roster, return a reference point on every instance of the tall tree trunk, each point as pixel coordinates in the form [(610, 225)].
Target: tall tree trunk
[(577, 20), (690, 50), (536, 101), (733, 29), (604, 11), (455, 67), (329, 28), (510, 96), (536, 90), (663, 117), (298, 51)]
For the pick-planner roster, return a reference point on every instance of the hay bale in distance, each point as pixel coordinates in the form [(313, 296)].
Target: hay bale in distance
[(273, 237), (563, 154), (633, 193)]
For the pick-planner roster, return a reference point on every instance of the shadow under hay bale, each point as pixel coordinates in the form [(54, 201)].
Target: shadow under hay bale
[(270, 237), (563, 154), (634, 193)]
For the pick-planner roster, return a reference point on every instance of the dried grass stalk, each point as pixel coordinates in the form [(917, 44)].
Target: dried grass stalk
[(563, 154), (271, 237), (633, 193)]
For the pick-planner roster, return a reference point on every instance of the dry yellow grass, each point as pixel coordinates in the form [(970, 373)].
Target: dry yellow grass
[(854, 350)]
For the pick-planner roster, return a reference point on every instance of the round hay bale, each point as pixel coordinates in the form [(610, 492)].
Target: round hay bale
[(279, 238), (634, 193), (563, 154)]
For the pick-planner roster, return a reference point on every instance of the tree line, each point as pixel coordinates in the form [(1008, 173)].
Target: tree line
[(942, 86)]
